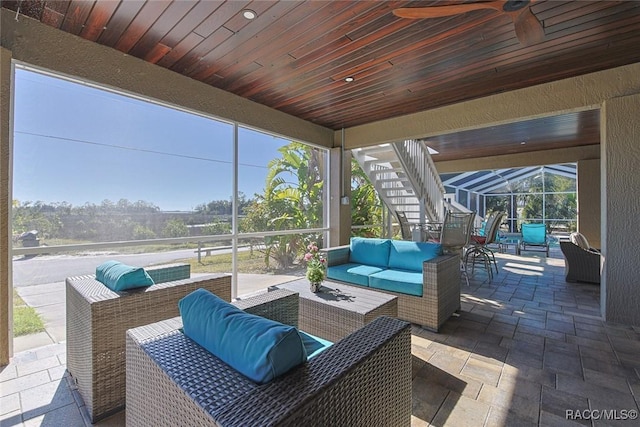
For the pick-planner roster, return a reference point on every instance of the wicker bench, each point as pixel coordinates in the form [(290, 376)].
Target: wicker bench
[(440, 289), (362, 380), (98, 318)]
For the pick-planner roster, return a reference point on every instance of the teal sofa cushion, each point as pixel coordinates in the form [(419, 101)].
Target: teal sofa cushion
[(405, 255), (352, 273), (121, 277), (259, 348), (314, 345), (369, 251), (406, 282)]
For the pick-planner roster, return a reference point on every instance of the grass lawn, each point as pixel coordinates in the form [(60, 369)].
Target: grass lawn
[(25, 319), (248, 262)]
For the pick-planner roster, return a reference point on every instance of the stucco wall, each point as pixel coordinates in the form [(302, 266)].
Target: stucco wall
[(589, 200), (620, 287), (339, 214)]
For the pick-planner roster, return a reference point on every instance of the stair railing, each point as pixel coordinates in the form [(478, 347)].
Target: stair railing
[(423, 176)]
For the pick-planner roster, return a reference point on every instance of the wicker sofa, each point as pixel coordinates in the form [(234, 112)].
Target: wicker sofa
[(429, 303), (98, 318), (362, 380)]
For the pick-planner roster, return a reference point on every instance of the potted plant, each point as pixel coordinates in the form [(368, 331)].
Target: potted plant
[(316, 267)]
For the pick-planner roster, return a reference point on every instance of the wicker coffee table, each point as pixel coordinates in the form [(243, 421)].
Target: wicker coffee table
[(338, 310)]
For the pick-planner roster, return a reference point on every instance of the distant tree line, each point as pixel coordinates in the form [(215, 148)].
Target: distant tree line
[(114, 221)]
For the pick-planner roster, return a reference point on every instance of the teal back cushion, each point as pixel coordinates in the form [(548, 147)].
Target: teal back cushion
[(406, 255), (369, 251), (534, 233), (120, 277), (259, 348), (481, 231)]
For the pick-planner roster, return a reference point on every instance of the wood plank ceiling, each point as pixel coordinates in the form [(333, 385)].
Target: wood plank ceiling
[(296, 54)]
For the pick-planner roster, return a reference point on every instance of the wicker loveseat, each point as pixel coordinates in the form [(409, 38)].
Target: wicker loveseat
[(98, 318), (429, 300), (362, 380)]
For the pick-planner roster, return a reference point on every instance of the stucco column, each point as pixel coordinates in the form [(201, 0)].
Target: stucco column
[(340, 186), (588, 189), (6, 304), (620, 156)]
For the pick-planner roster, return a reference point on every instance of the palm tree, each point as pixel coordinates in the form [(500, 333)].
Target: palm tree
[(292, 200)]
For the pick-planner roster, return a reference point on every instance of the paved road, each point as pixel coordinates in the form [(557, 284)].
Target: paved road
[(56, 268)]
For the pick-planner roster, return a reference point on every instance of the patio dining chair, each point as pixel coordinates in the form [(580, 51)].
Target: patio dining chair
[(455, 235), (479, 250), (405, 227), (534, 236)]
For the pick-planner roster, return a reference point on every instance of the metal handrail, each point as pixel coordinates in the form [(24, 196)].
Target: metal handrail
[(38, 250)]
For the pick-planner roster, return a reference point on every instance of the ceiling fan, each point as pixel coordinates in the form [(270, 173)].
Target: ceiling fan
[(528, 29)]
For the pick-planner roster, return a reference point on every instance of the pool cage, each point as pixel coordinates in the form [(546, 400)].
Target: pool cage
[(542, 194)]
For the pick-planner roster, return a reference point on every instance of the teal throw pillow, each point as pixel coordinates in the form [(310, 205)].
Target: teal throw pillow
[(121, 277), (259, 348)]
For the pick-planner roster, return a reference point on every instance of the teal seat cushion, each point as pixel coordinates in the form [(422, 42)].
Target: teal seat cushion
[(121, 277), (405, 255), (404, 282), (314, 345), (369, 251), (357, 274), (259, 348), (535, 234)]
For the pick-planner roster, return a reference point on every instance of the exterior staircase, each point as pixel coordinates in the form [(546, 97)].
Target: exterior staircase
[(406, 179)]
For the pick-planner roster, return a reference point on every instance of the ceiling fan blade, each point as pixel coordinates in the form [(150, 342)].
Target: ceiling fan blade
[(445, 10), (528, 29)]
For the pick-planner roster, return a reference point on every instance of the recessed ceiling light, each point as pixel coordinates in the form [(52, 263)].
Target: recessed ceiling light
[(349, 79), (249, 14), (523, 143)]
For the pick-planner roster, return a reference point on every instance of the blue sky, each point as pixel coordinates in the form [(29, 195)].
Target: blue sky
[(78, 144)]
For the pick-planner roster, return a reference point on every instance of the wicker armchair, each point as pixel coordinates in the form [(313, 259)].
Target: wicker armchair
[(581, 265), (362, 380), (98, 318)]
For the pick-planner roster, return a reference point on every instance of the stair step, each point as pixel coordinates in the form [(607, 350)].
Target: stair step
[(398, 171), (383, 166), (403, 180)]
